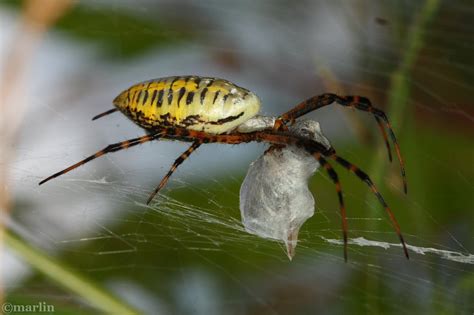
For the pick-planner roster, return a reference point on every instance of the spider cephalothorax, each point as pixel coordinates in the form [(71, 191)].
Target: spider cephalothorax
[(211, 110)]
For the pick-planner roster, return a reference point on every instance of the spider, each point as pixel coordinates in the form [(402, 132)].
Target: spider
[(212, 110)]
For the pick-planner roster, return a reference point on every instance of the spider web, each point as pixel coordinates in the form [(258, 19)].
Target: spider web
[(188, 253)]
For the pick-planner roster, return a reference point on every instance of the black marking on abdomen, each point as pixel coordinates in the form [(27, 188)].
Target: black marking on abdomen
[(191, 120), (203, 95), (189, 98), (167, 120), (225, 120), (225, 97), (170, 93), (170, 96), (211, 81), (172, 82), (197, 81), (181, 94), (153, 97), (215, 97), (160, 97), (138, 95), (145, 97)]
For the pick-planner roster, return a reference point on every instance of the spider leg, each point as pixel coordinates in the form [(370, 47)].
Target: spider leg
[(284, 138), (358, 102), (364, 177), (175, 165), (274, 147), (188, 135), (110, 111), (333, 175), (110, 148), (385, 138), (273, 137)]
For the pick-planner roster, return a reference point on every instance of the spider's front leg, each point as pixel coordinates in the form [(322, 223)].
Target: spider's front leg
[(108, 149), (358, 102)]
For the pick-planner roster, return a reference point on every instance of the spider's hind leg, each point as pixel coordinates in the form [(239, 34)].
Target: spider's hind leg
[(385, 138), (364, 177), (333, 175)]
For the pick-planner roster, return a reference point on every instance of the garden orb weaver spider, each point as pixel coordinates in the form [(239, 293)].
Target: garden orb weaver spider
[(211, 110)]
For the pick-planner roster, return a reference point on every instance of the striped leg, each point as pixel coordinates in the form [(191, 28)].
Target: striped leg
[(385, 138), (313, 147), (333, 175), (363, 176), (173, 168), (274, 147), (168, 133), (110, 111), (275, 138), (110, 148), (358, 102)]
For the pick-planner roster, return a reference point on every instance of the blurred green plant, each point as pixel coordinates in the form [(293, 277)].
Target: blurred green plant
[(398, 100), (118, 32), (70, 280)]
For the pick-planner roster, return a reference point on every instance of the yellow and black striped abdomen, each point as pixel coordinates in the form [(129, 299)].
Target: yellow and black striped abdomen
[(197, 103)]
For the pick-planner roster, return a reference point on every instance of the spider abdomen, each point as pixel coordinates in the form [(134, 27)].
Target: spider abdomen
[(198, 103)]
